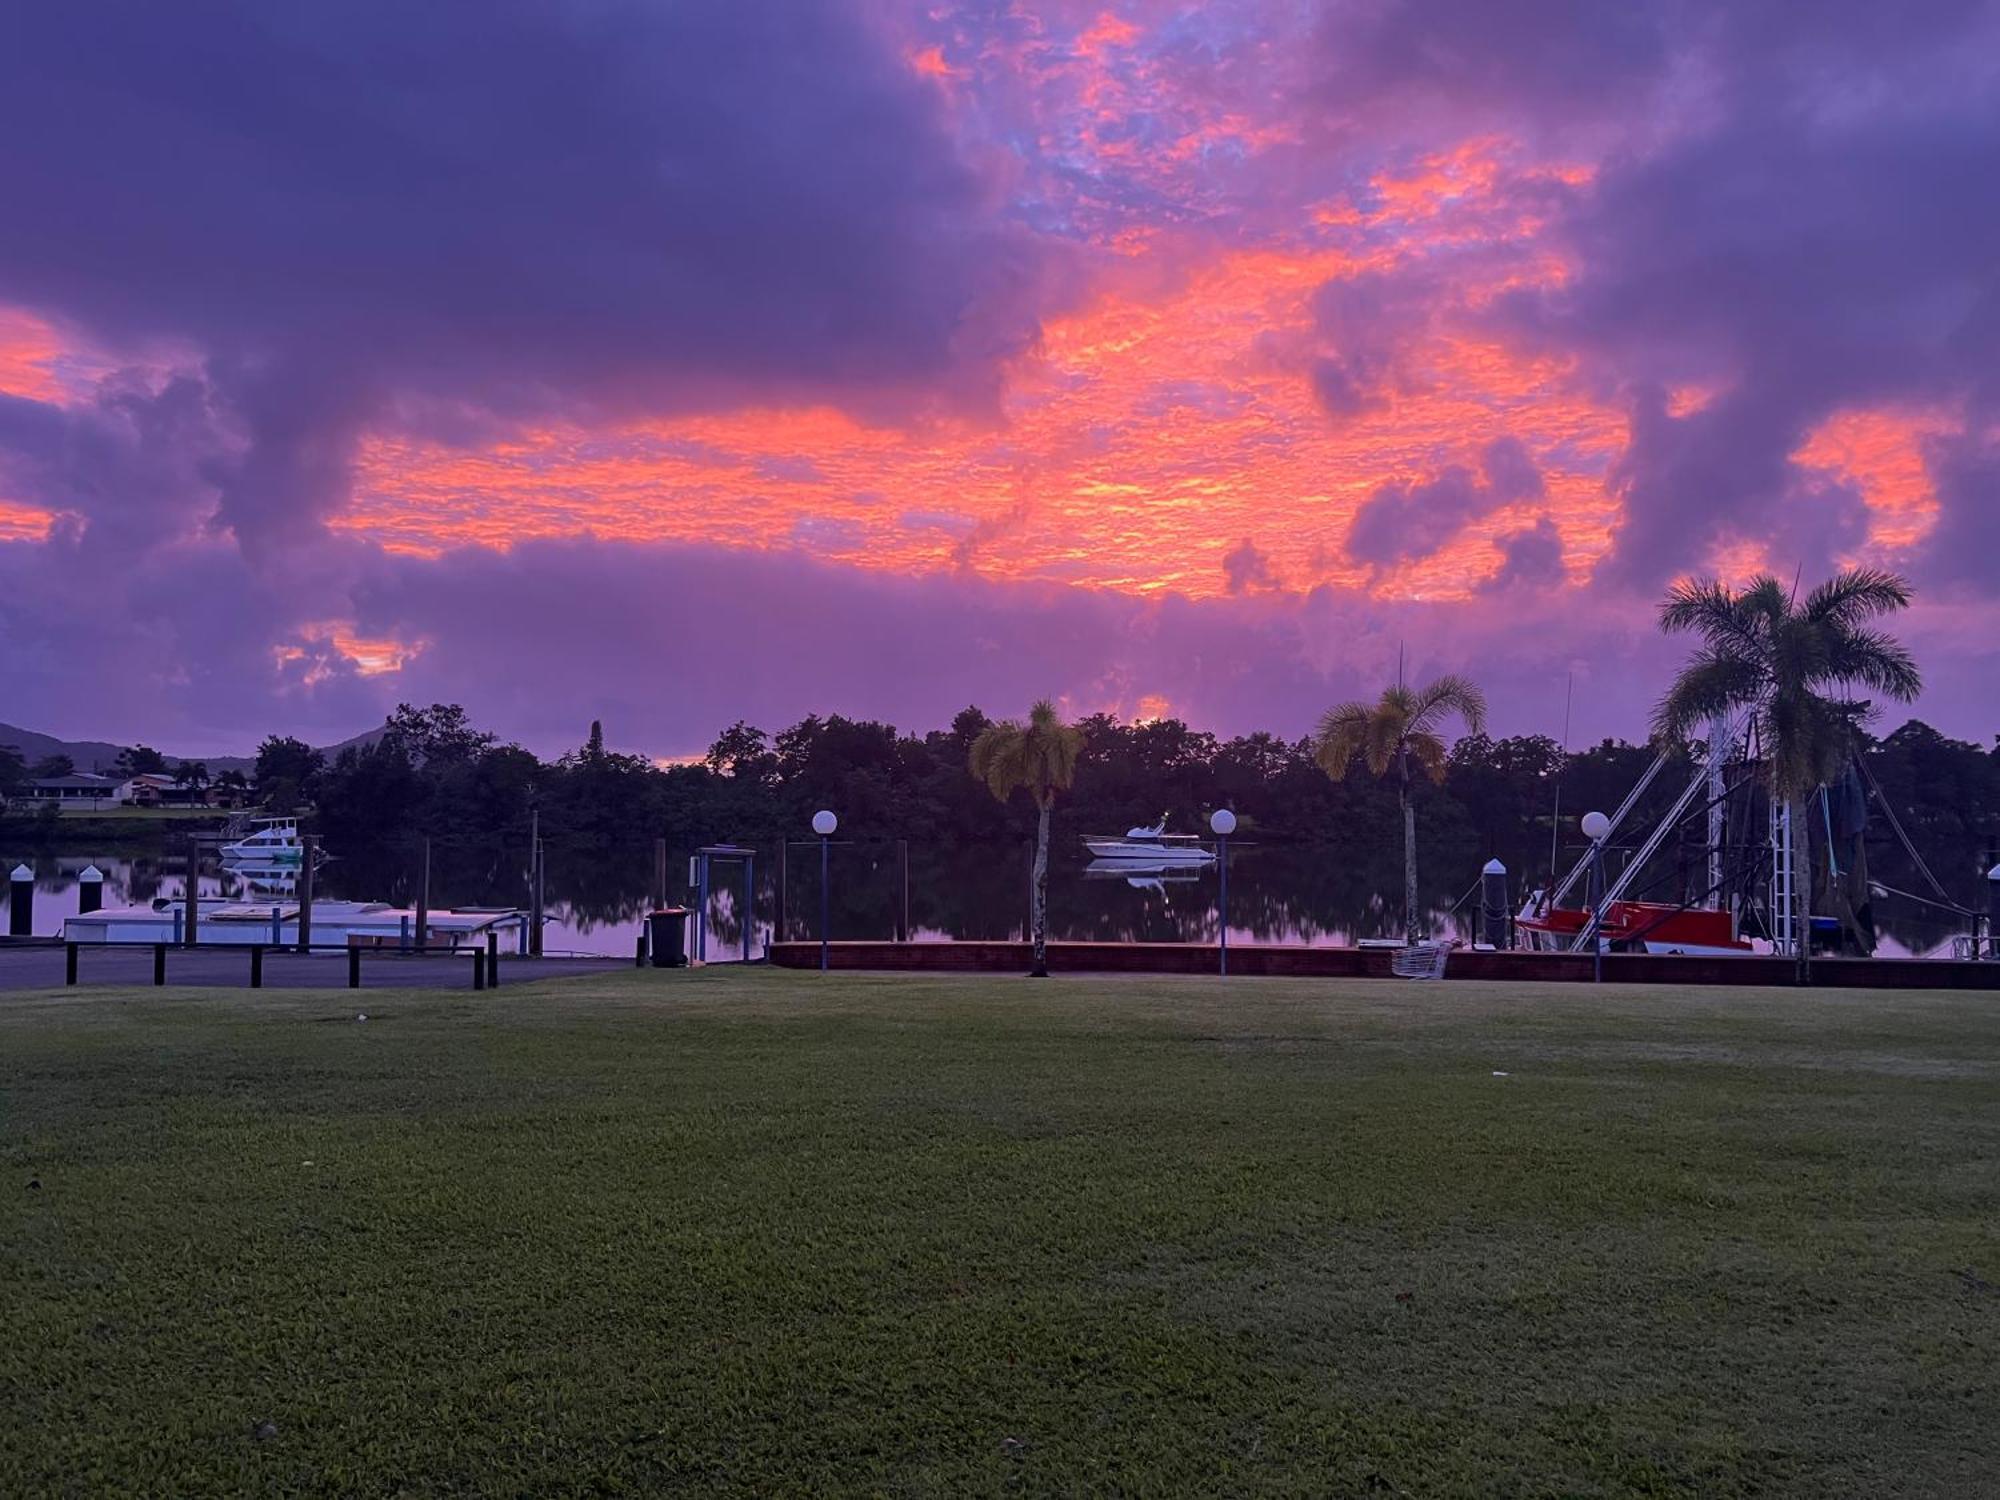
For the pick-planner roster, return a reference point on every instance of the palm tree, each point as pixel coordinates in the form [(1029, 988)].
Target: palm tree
[(1765, 652), (1039, 756), (1400, 727)]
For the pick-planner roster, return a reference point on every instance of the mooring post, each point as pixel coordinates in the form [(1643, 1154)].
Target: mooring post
[(159, 964), (311, 857), (539, 885), (90, 890), (424, 900), (492, 959), (69, 963), (1992, 914), (256, 966), (192, 930), (21, 902), (1493, 903), (354, 968), (903, 876)]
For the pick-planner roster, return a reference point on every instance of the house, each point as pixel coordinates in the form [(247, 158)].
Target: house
[(149, 789), (79, 789)]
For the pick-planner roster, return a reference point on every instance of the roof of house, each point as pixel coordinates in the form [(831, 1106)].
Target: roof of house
[(78, 779)]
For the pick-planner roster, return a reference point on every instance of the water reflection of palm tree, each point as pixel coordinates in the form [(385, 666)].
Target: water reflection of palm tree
[(1399, 727), (1038, 757)]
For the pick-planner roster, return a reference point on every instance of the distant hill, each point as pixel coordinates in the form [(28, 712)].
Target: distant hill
[(102, 756)]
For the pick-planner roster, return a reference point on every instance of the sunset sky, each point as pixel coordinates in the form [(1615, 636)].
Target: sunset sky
[(672, 362)]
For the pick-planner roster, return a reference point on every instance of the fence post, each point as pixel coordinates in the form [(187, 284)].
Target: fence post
[(478, 970), (354, 968), (492, 959), (69, 963), (159, 963), (256, 966)]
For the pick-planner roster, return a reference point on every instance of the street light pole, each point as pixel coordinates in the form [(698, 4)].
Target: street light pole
[(1223, 822), (1596, 828), (824, 823)]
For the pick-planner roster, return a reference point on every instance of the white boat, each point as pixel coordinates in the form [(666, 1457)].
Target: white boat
[(271, 841), (1152, 846)]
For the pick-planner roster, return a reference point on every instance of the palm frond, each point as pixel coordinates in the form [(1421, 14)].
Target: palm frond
[(1716, 679), (1856, 594), (1449, 694), (1428, 751), (1387, 726), (1343, 730), (1876, 660)]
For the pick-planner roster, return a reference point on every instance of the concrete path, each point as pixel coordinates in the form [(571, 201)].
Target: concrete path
[(42, 968)]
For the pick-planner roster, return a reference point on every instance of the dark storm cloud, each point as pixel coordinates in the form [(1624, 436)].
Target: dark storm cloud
[(1246, 567), (370, 209), (1531, 557), (1402, 522)]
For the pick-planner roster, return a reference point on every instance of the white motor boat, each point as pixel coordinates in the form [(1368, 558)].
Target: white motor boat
[(270, 842), (1152, 846)]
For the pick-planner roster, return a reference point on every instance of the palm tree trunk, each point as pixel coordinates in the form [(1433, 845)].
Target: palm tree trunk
[(1411, 930), (1038, 898), (1801, 814)]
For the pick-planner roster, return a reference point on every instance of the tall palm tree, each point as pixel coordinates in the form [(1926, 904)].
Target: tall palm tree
[(1400, 727), (1039, 757), (1764, 651)]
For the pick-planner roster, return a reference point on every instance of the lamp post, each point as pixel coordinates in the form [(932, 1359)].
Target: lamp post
[(1596, 828), (824, 823), (1223, 822)]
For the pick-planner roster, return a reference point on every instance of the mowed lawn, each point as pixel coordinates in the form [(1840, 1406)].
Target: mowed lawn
[(755, 1232)]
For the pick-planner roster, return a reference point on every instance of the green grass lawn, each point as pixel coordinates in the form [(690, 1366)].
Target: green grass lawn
[(761, 1233)]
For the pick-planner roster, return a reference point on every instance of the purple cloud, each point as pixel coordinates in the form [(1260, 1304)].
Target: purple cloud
[(356, 216), (1402, 522)]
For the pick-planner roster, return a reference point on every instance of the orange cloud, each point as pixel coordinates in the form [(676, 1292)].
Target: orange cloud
[(1151, 431), (1881, 453)]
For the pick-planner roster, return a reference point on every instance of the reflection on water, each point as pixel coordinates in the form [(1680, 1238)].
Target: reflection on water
[(1310, 895)]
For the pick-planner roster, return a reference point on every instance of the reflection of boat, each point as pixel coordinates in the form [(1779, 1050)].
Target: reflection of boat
[(1144, 875), (1152, 846), (270, 842), (265, 879)]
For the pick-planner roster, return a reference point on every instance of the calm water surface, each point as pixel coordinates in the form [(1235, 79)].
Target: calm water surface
[(1309, 895)]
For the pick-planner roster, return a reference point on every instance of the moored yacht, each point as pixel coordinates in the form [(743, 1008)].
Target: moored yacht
[(1153, 846)]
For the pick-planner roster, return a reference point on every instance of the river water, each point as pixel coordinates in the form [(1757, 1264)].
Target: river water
[(1289, 894)]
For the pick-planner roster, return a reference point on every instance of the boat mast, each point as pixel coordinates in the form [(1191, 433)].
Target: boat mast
[(1718, 752)]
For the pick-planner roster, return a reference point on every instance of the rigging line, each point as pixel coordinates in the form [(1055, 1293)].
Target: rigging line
[(1896, 824), (1946, 905)]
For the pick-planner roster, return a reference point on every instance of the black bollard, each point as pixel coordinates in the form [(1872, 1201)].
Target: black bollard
[(354, 968), (159, 963), (21, 902), (492, 959), (69, 963), (1493, 903), (478, 970), (256, 966), (90, 890), (639, 952)]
